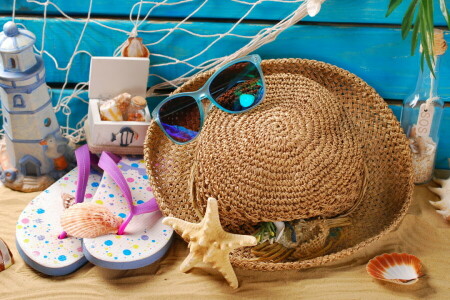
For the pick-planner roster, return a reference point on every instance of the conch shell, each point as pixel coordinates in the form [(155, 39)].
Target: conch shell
[(400, 268), (135, 48), (89, 220), (443, 206), (6, 258)]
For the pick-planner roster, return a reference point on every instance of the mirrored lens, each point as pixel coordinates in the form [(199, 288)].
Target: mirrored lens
[(180, 118), (237, 88)]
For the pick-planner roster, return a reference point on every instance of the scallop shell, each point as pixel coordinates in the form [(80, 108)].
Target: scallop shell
[(134, 47), (89, 220), (6, 258), (400, 268)]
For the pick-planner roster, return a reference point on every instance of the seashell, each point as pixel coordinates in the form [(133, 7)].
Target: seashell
[(89, 220), (68, 200), (6, 258), (313, 7), (135, 48), (109, 111), (123, 102), (400, 268), (442, 206)]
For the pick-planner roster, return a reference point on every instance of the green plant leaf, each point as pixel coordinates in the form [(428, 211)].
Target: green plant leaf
[(415, 36), (444, 11), (392, 6), (408, 18)]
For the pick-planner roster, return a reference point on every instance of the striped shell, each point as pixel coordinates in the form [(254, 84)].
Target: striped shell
[(88, 220), (6, 258), (400, 268)]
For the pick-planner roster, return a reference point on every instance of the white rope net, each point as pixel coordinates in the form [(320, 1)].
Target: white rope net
[(139, 16)]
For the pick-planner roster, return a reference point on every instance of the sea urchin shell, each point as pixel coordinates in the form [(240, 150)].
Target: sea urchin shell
[(89, 220), (400, 268)]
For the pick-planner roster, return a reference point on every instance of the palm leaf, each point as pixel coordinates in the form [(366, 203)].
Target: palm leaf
[(392, 6), (444, 11), (408, 18)]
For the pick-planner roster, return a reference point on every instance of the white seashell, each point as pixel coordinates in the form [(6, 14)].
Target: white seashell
[(6, 258), (280, 229), (89, 220), (442, 206), (109, 111), (313, 7), (135, 48), (400, 268)]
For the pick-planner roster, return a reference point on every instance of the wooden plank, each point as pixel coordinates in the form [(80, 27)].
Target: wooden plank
[(354, 11), (378, 55)]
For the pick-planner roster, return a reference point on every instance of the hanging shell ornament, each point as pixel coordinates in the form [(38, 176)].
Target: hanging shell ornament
[(313, 7), (89, 220), (442, 206), (399, 268), (209, 243), (6, 258), (134, 47)]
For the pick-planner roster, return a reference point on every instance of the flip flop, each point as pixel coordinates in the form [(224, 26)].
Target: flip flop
[(142, 238), (39, 236)]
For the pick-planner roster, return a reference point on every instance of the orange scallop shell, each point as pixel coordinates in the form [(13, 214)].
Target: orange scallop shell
[(400, 268), (89, 220)]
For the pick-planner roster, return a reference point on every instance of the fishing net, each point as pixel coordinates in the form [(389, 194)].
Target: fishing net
[(170, 67)]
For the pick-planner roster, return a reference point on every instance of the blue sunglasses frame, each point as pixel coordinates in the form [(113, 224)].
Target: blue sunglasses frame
[(203, 93)]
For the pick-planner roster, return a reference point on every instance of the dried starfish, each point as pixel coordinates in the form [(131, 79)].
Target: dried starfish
[(443, 192), (209, 243)]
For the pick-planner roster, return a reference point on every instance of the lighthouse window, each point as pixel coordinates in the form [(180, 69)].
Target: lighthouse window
[(12, 63), (18, 101), (47, 122)]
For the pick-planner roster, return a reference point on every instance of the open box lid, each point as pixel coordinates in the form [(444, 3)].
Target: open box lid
[(111, 76)]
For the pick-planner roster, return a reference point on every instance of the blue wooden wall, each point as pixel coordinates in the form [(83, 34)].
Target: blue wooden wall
[(352, 34)]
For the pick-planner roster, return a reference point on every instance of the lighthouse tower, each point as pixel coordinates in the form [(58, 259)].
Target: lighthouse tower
[(28, 116)]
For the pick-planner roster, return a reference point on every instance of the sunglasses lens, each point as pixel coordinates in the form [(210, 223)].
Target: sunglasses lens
[(180, 118), (237, 88)]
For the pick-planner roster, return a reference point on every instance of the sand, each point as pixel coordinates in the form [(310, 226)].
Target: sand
[(422, 233)]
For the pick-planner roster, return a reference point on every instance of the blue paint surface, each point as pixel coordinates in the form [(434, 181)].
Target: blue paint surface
[(375, 53)]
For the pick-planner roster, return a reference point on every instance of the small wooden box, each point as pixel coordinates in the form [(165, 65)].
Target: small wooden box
[(109, 77)]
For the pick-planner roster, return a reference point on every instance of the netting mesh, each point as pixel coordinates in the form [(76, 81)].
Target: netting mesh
[(168, 67)]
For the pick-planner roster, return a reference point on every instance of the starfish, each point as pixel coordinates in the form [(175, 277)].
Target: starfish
[(209, 243)]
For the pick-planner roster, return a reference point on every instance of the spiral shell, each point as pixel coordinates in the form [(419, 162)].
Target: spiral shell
[(6, 258), (88, 220), (135, 48), (400, 268)]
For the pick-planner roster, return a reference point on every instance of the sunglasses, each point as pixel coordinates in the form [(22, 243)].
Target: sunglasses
[(235, 88)]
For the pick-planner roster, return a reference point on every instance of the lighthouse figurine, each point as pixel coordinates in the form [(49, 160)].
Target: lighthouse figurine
[(32, 152)]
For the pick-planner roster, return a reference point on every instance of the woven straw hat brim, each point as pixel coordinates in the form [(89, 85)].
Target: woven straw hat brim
[(384, 149)]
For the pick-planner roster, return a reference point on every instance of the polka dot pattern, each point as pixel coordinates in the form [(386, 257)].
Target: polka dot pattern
[(38, 226), (145, 235)]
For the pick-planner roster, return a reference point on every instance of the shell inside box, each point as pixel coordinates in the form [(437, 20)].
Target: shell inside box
[(109, 77)]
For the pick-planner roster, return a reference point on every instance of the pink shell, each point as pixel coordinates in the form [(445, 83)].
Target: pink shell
[(89, 220), (400, 268), (6, 258)]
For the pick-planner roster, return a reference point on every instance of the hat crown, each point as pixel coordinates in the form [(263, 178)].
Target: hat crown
[(292, 157)]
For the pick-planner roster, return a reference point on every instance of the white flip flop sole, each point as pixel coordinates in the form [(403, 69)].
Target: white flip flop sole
[(145, 240), (38, 227)]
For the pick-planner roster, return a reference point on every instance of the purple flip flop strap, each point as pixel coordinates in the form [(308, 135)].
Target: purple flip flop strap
[(108, 164), (84, 161)]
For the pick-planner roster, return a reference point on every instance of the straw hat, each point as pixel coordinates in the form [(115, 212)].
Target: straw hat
[(322, 145)]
